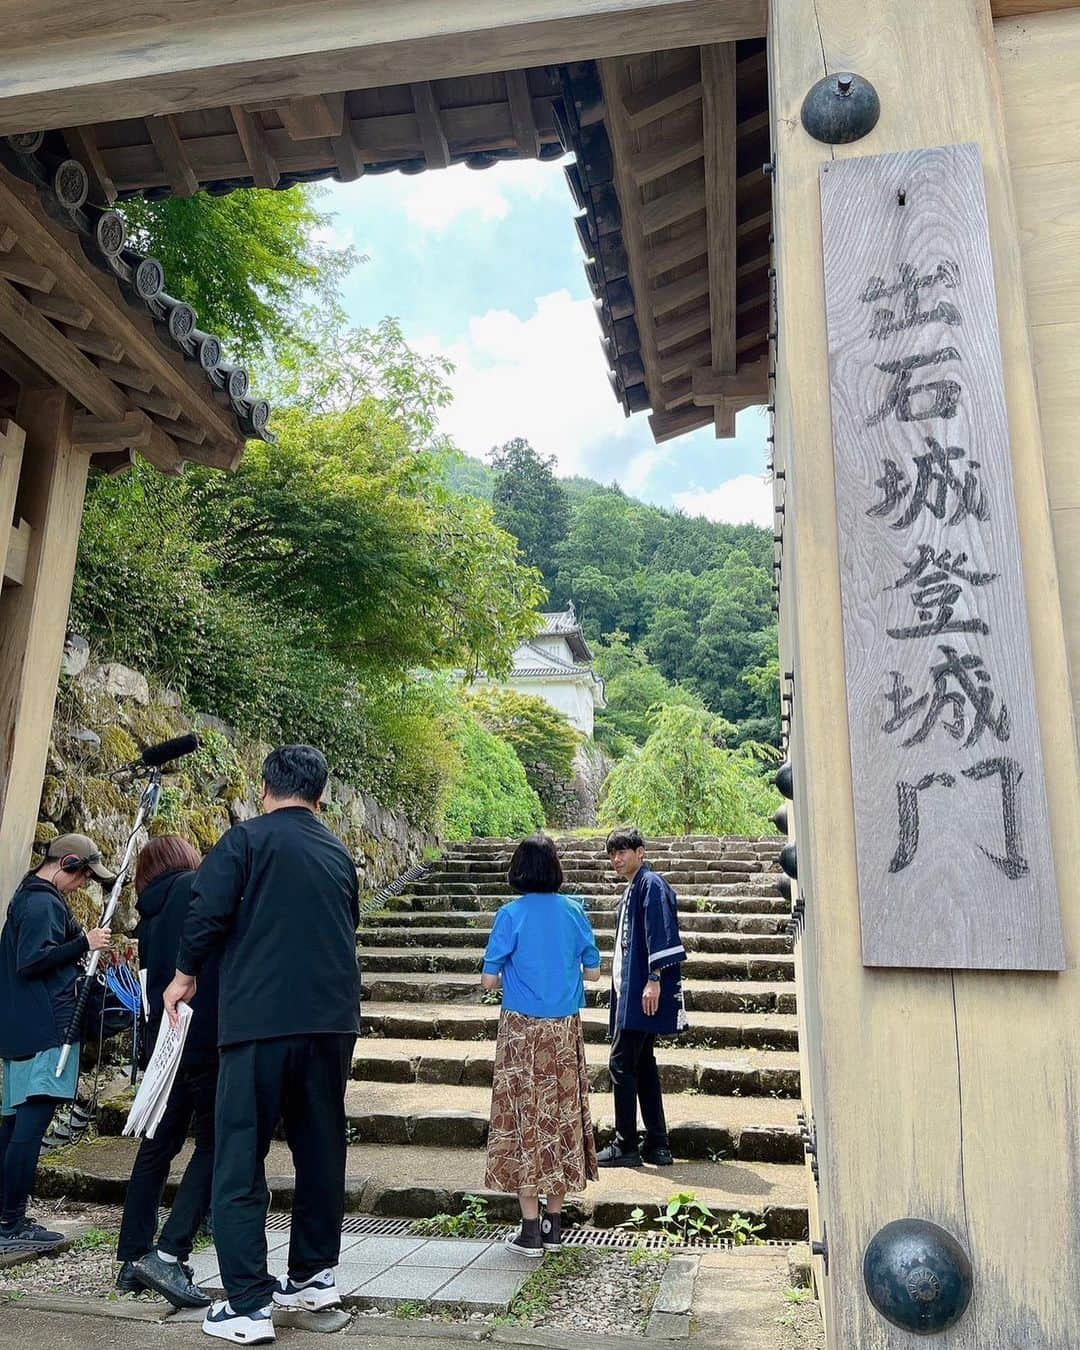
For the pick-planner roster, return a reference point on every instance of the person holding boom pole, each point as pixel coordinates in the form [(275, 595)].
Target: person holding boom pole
[(42, 947)]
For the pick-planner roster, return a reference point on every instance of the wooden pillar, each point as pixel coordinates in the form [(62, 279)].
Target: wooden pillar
[(937, 1095), (33, 618), (11, 449)]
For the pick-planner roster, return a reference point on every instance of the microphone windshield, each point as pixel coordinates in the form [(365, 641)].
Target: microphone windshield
[(156, 755)]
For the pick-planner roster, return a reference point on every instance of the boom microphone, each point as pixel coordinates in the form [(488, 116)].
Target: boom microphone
[(154, 756)]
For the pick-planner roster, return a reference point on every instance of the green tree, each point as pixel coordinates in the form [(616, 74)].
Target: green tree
[(686, 781), (489, 796), (542, 739), (633, 688), (243, 259), (530, 503)]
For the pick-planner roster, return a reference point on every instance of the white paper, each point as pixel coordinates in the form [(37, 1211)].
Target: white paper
[(153, 1095), (144, 976)]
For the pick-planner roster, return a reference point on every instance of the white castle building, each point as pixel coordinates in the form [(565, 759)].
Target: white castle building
[(556, 665)]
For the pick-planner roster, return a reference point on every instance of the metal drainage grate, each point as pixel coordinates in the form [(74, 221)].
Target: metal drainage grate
[(611, 1239)]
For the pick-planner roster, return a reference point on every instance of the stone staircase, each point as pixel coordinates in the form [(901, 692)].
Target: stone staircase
[(418, 1104)]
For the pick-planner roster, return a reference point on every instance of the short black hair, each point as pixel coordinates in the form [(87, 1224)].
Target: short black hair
[(625, 836), (535, 866), (296, 771)]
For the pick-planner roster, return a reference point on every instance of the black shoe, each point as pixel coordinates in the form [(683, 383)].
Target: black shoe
[(657, 1157), (527, 1239), (551, 1232), (169, 1279), (26, 1236), (617, 1156), (127, 1281)]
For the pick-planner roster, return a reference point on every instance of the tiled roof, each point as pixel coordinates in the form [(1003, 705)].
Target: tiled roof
[(63, 186)]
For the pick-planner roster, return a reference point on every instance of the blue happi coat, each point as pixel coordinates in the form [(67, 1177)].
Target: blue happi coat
[(650, 941)]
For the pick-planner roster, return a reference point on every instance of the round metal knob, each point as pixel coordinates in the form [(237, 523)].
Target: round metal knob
[(918, 1276)]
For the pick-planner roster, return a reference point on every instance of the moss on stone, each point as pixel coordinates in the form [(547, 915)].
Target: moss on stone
[(45, 832), (117, 747)]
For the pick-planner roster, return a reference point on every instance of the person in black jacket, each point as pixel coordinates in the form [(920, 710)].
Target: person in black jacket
[(163, 881), (278, 898), (41, 951)]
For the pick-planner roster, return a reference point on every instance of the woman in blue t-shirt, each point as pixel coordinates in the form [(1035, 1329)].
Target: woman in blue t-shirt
[(540, 1141)]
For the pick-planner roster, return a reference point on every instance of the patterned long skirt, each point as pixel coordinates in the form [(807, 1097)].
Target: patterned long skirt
[(541, 1134)]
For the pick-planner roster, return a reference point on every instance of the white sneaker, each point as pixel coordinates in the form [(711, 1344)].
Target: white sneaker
[(312, 1295), (242, 1328)]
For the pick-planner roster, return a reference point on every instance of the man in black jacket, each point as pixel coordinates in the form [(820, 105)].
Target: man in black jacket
[(278, 897)]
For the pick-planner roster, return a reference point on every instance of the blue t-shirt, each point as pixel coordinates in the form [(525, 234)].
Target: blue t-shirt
[(539, 944)]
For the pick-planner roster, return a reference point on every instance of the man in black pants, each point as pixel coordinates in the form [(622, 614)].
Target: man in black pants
[(278, 896), (646, 1002)]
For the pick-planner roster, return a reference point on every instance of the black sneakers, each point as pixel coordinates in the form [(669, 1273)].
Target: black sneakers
[(659, 1156), (25, 1236), (527, 1240), (551, 1232), (169, 1279), (127, 1282), (617, 1156)]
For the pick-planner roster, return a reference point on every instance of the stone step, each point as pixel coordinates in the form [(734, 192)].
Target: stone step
[(714, 899), (440, 939), (409, 1181), (575, 877), (738, 995), (603, 921), (765, 1029), (712, 1073), (467, 961), (658, 844), (588, 867)]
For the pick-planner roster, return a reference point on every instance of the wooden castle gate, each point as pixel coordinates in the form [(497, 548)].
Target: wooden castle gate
[(904, 294)]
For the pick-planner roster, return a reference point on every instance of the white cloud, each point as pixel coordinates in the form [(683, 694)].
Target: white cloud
[(543, 378), (433, 201), (745, 499)]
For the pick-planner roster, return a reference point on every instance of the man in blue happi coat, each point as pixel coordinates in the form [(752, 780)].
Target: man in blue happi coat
[(646, 1002)]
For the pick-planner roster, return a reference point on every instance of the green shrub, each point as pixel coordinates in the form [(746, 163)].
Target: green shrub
[(542, 738)]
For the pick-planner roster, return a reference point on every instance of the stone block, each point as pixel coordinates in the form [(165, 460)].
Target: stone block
[(483, 1290), (450, 1129), (439, 1069), (450, 1253), (116, 680), (402, 1283), (76, 655), (760, 1143), (478, 1071), (378, 1127), (676, 1292), (383, 1068)]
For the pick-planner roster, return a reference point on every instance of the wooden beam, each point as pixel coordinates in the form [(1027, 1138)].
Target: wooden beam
[(672, 206), (63, 310), (663, 299), (668, 95), (264, 170), (432, 135), (33, 617), (157, 403), (131, 377), (47, 347), (283, 49), (692, 243), (1017, 9), (82, 145), (653, 163), (673, 365), (681, 327), (12, 440), (18, 550), (90, 434), (26, 273), (346, 151), (715, 386), (315, 117), (169, 145), (8, 238), (43, 240), (96, 344), (665, 426), (522, 118), (719, 113)]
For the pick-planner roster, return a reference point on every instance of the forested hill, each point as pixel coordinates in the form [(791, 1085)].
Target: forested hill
[(678, 609)]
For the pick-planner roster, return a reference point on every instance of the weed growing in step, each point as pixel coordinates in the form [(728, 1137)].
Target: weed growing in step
[(95, 1239), (411, 1309), (533, 1299), (798, 1294), (491, 998), (685, 1217), (471, 1222)]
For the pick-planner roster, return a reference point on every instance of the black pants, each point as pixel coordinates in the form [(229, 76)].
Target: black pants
[(20, 1145), (191, 1099), (300, 1081), (635, 1078)]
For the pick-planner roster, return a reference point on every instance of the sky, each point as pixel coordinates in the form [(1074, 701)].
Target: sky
[(484, 267)]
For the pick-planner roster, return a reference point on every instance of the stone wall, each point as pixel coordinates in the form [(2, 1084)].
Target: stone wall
[(106, 714)]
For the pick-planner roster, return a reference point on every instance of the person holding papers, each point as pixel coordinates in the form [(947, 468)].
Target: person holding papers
[(278, 898), (163, 880)]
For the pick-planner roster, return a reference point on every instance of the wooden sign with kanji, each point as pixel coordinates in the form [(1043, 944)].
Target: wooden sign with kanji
[(954, 855)]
